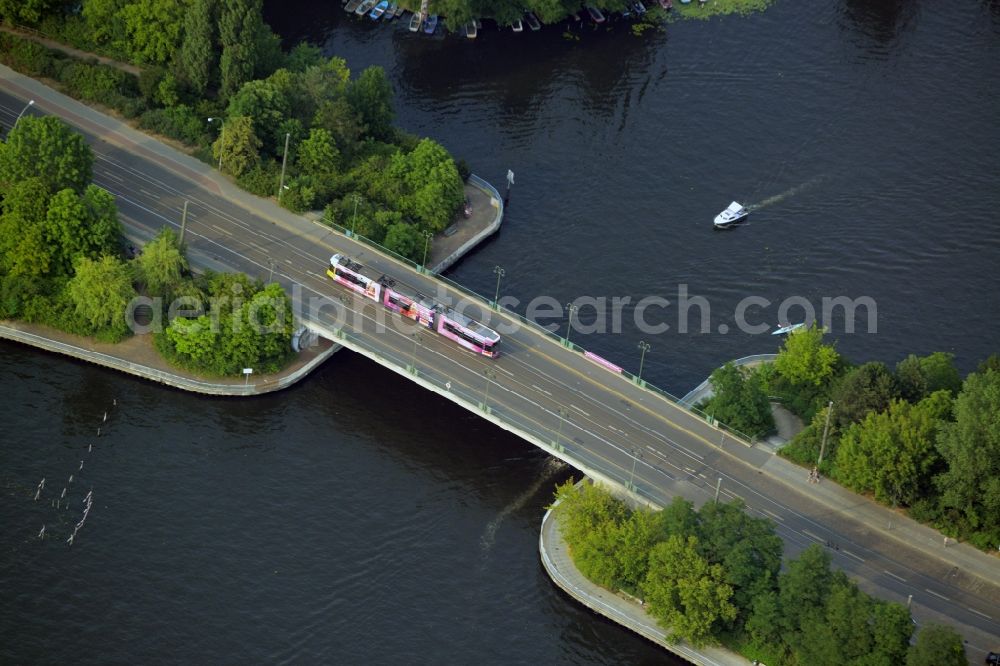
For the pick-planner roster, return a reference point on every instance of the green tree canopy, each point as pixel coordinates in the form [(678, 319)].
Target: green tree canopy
[(238, 146), (919, 376), (81, 226), (100, 293), (893, 453), (970, 446), (937, 645), (318, 156), (197, 59), (805, 361), (46, 148), (406, 240), (867, 388), (239, 26), (370, 95), (162, 264), (740, 400), (685, 593), (153, 29)]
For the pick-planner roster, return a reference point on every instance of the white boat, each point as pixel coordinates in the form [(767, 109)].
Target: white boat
[(471, 30), (788, 328), (415, 22), (517, 26), (734, 214), (365, 7)]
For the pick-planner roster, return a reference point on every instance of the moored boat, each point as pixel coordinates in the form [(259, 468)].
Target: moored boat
[(667, 4), (392, 12), (378, 11), (415, 22), (471, 30), (351, 5), (734, 214), (788, 328), (431, 24), (365, 7), (517, 26), (532, 21), (595, 14)]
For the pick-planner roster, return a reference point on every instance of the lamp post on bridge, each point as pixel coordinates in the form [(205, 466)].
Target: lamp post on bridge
[(569, 322), (636, 454), (500, 272), (427, 239), (413, 357), (490, 378), (563, 415), (30, 103), (643, 347)]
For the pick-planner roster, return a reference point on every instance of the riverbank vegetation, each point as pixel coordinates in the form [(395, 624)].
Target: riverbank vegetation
[(714, 576), (915, 437), (294, 125), (65, 263)]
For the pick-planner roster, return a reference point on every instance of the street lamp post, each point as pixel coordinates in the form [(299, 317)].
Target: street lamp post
[(562, 417), (490, 376), (644, 347), (284, 160), (222, 138), (635, 458), (270, 276), (416, 339), (30, 103), (500, 272), (354, 220), (427, 239), (826, 428), (569, 321)]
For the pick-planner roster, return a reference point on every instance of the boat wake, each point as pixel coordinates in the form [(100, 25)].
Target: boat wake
[(777, 198), (553, 466)]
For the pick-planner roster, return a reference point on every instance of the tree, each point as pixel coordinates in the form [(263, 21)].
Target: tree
[(267, 103), (636, 537), (740, 401), (197, 57), (370, 95), (46, 148), (937, 645), (406, 240), (867, 388), (81, 226), (841, 633), (970, 446), (432, 189), (804, 360), (25, 11), (318, 155), (802, 590), (343, 123), (685, 593), (238, 146), (162, 264), (153, 29), (104, 21), (238, 28), (892, 629), (921, 376), (893, 453), (100, 292)]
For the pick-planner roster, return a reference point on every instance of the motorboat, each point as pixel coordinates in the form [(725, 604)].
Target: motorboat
[(431, 24), (517, 26), (640, 8), (788, 328), (595, 14), (734, 214), (471, 30), (365, 7), (379, 10), (415, 22), (392, 12), (532, 21)]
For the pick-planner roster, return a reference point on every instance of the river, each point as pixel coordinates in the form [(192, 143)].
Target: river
[(356, 517)]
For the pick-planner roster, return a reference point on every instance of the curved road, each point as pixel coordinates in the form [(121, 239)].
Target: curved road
[(592, 417)]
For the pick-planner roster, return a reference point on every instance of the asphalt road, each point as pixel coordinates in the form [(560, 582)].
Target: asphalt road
[(600, 420)]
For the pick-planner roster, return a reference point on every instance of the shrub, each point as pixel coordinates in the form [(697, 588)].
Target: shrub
[(96, 83), (261, 180), (25, 56), (177, 122)]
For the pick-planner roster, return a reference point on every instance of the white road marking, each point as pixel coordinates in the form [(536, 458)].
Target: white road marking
[(504, 370), (850, 554), (773, 515), (149, 194), (939, 596), (578, 409), (899, 578), (539, 388), (810, 534), (973, 610), (219, 229)]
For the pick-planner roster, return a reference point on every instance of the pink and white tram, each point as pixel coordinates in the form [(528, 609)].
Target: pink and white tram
[(410, 303)]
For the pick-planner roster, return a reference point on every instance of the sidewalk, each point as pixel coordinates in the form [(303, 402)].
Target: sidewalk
[(559, 565)]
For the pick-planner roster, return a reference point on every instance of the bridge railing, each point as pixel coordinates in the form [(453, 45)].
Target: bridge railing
[(489, 304)]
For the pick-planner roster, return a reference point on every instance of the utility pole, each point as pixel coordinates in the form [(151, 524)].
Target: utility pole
[(500, 272), (635, 458), (644, 347), (184, 220), (284, 160), (427, 239), (826, 429), (718, 487), (569, 322)]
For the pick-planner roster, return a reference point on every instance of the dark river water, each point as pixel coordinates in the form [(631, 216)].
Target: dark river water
[(356, 517)]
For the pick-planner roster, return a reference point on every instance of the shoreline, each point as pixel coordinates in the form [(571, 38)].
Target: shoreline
[(560, 568)]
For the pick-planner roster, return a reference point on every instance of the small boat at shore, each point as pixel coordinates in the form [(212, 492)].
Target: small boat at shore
[(351, 6), (734, 214), (415, 22), (471, 30), (517, 26), (532, 21), (365, 7), (379, 10), (392, 12), (595, 14), (667, 4), (431, 24), (788, 328)]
